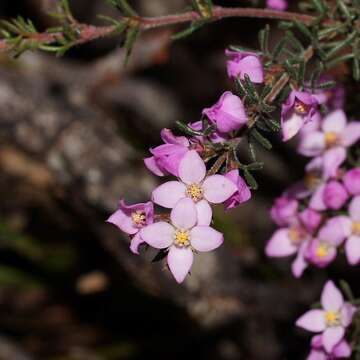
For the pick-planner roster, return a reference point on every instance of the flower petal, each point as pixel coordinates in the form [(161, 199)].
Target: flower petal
[(300, 264), (313, 320), (331, 337), (352, 250), (184, 214), (192, 169), (180, 261), (136, 241), (354, 208), (342, 350), (335, 230), (169, 193), (312, 144), (351, 134), (204, 213), (331, 297), (332, 160), (280, 244), (205, 238), (316, 201), (123, 222), (152, 165), (291, 126), (217, 189), (159, 235), (334, 122)]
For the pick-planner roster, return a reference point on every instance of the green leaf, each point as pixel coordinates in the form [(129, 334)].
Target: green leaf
[(250, 89), (320, 6), (255, 166), (356, 69), (187, 129), (160, 255), (304, 30), (250, 180), (204, 7), (131, 37), (124, 7), (195, 25), (264, 39), (265, 143), (346, 289)]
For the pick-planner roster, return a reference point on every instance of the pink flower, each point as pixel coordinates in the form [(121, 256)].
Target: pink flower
[(332, 320), (290, 241), (241, 63), (284, 211), (341, 350), (352, 181), (194, 184), (166, 157), (335, 195), (280, 5), (311, 219), (131, 218), (335, 132), (299, 108), (242, 194), (181, 237), (351, 228), (323, 249), (228, 113)]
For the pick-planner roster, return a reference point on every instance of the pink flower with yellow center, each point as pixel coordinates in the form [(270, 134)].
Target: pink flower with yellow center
[(182, 236)]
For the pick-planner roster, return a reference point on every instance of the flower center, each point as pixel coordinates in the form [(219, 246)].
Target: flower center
[(356, 228), (301, 108), (312, 180), (296, 235), (138, 218), (182, 238), (195, 192), (322, 250), (331, 139), (332, 318)]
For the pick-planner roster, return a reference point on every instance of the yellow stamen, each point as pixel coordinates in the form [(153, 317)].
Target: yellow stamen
[(296, 235), (195, 191), (312, 180), (138, 218), (331, 139), (301, 108), (182, 238), (322, 250), (356, 228), (332, 318)]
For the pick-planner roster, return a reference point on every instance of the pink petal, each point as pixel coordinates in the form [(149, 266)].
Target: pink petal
[(351, 134), (347, 313), (251, 65), (159, 235), (313, 320), (300, 264), (192, 169), (331, 297), (123, 222), (204, 213), (184, 214), (312, 144), (331, 337), (342, 350), (332, 160), (205, 238), (291, 126), (316, 201), (335, 122), (354, 208), (152, 165), (136, 241), (280, 244), (335, 230), (180, 261), (217, 189), (352, 250), (169, 193)]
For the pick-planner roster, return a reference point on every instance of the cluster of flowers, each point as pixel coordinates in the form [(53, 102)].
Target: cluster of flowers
[(186, 230)]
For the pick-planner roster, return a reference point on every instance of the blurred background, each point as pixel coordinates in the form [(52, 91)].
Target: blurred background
[(73, 132)]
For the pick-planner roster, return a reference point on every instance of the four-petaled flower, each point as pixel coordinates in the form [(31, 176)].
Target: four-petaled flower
[(181, 236), (195, 185), (332, 320)]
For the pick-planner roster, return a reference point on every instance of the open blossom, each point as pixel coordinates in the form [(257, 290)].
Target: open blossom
[(299, 108), (335, 132), (228, 113), (332, 320), (340, 351), (194, 184), (166, 157), (131, 219), (181, 236), (351, 226), (243, 62), (323, 249), (242, 194), (280, 5), (352, 181)]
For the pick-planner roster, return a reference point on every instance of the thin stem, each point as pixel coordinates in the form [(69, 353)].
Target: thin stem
[(89, 33)]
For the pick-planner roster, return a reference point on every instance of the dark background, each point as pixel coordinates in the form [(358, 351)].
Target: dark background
[(73, 131)]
